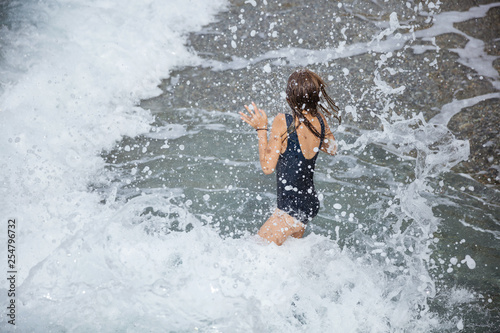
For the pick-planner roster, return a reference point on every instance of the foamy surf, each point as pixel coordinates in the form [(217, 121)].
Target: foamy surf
[(84, 69)]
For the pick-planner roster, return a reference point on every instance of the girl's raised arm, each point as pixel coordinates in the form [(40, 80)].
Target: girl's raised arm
[(269, 151)]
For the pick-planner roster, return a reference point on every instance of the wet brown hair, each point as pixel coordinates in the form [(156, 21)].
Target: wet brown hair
[(305, 92)]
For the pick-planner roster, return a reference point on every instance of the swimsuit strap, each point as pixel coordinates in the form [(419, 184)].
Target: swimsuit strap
[(289, 122), (322, 137)]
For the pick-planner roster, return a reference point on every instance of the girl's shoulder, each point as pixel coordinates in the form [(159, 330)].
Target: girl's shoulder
[(279, 122), (280, 118)]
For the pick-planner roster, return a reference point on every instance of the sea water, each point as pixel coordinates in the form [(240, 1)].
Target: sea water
[(138, 216)]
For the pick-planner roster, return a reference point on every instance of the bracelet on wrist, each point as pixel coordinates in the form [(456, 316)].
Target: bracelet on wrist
[(261, 129)]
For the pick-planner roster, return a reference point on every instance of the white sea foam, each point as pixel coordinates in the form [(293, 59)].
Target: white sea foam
[(84, 68), (452, 108), (226, 284)]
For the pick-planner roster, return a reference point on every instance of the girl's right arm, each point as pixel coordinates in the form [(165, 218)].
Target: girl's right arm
[(269, 151)]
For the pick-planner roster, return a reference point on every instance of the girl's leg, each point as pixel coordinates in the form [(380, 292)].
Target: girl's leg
[(300, 233), (280, 226)]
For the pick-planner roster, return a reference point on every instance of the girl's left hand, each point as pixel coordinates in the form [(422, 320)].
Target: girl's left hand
[(256, 118)]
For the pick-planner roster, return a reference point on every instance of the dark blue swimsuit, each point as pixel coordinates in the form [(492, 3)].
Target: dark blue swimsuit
[(294, 174)]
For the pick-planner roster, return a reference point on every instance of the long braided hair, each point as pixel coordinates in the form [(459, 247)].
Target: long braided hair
[(305, 92)]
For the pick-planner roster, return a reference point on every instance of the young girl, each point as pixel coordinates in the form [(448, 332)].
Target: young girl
[(292, 150)]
